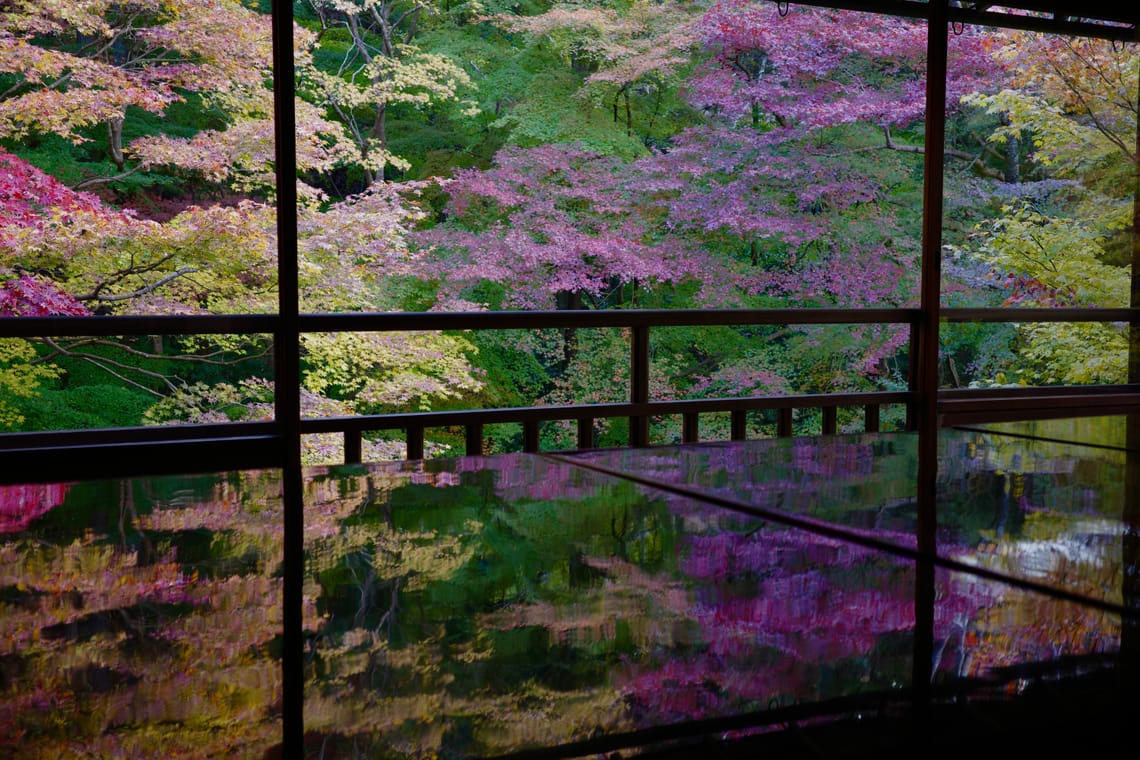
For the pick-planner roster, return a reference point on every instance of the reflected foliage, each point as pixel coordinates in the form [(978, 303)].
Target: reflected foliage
[(482, 605)]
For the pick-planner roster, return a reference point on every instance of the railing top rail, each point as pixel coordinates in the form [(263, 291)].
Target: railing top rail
[(214, 324), (167, 324), (1066, 314), (32, 327), (508, 320), (596, 411)]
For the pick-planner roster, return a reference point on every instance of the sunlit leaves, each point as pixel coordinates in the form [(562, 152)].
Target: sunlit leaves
[(389, 370), (19, 378), (382, 67)]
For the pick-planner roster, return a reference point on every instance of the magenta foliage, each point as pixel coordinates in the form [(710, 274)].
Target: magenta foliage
[(777, 609), (28, 198), (21, 504), (796, 202), (27, 195), (817, 67), (771, 613), (552, 219), (26, 296), (562, 219)]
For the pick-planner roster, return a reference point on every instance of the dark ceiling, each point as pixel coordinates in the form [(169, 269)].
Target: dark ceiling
[(1110, 19)]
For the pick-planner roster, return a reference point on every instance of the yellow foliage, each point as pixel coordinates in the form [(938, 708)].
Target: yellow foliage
[(19, 377)]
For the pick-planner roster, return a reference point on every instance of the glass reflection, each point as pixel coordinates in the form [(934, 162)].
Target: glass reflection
[(139, 618), (479, 606), (484, 605)]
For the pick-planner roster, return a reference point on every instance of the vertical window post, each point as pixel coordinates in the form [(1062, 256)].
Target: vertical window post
[(926, 376), (287, 375)]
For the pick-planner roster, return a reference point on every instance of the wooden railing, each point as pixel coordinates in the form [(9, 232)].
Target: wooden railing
[(92, 453)]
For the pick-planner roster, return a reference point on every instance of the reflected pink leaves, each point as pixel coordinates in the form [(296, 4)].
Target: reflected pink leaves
[(20, 505)]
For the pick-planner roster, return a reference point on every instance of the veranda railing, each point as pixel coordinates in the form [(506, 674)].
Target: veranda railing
[(172, 448)]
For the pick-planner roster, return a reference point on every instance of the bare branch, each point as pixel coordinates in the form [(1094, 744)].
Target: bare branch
[(91, 181), (95, 295)]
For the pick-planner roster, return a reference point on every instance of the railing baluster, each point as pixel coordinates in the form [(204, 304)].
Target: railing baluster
[(871, 418), (829, 419), (353, 447), (473, 443), (639, 383), (738, 425), (415, 441), (530, 436), (586, 433), (784, 423), (690, 427)]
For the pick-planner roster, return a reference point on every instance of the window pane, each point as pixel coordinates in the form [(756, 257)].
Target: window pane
[(1040, 199), (140, 182), (138, 615), (662, 155), (72, 383)]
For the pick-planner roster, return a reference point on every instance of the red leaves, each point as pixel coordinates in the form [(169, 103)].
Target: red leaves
[(27, 296), (26, 193)]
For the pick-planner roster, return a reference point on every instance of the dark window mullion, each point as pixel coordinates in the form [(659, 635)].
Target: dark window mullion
[(924, 381), (287, 398)]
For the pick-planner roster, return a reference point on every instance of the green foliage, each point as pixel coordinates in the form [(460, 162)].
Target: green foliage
[(19, 380), (515, 375), (1063, 254), (1058, 260), (547, 115), (386, 372), (72, 164), (972, 351), (86, 407)]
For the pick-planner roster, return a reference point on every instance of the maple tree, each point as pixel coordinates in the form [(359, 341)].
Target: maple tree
[(546, 221), (817, 67), (73, 66), (1064, 236), (381, 68)]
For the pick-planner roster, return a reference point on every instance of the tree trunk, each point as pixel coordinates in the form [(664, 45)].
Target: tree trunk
[(1012, 170), (379, 133), (568, 301), (115, 141)]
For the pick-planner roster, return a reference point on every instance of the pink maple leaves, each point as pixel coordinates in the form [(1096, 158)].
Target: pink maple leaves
[(551, 219), (26, 194), (31, 198), (27, 296), (813, 67)]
